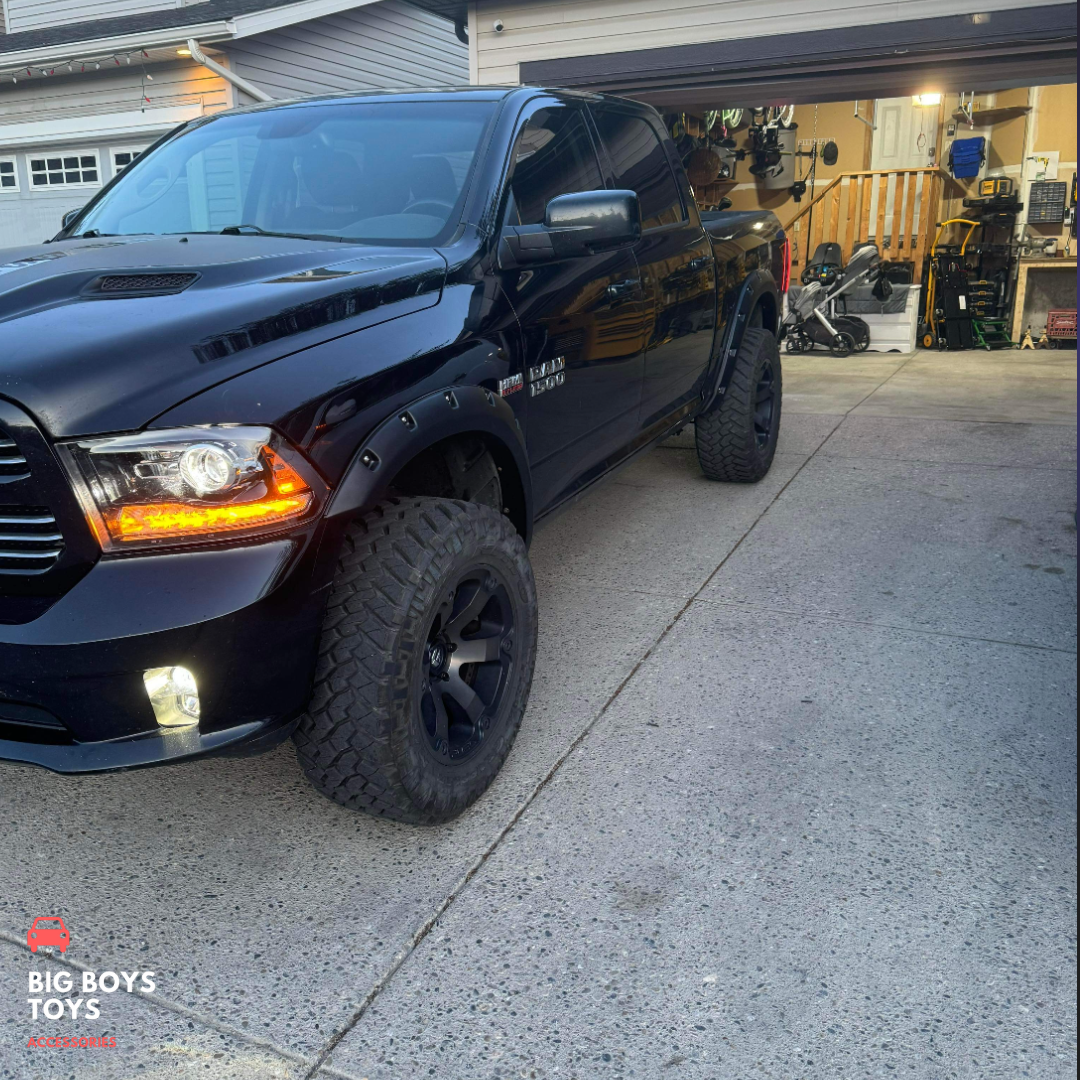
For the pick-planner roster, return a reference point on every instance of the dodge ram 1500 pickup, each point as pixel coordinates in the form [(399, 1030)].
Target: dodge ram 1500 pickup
[(280, 406)]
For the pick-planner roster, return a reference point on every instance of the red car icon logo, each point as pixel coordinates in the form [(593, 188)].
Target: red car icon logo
[(40, 935)]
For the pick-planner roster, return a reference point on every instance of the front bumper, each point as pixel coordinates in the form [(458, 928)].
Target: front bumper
[(244, 620)]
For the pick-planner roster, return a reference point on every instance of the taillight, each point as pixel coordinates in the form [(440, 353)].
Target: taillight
[(785, 272)]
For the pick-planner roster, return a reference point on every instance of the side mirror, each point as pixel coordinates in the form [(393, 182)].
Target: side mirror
[(70, 216), (585, 223)]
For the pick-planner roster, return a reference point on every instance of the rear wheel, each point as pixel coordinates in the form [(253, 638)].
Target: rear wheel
[(736, 436), (425, 661), (858, 329), (842, 344)]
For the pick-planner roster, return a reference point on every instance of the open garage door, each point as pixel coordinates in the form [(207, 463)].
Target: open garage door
[(952, 53)]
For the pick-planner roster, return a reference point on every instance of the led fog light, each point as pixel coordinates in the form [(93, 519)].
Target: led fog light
[(174, 694)]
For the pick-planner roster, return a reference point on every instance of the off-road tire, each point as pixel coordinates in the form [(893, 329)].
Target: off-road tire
[(729, 446), (361, 741)]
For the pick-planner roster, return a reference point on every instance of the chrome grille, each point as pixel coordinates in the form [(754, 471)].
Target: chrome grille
[(12, 463), (30, 540)]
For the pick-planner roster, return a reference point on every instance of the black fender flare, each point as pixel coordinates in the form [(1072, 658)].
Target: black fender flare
[(758, 284), (455, 410)]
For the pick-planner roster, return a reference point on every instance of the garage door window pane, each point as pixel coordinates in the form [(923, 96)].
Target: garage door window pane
[(7, 175), (66, 171), (642, 166), (553, 156)]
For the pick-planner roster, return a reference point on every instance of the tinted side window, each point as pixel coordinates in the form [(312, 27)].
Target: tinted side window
[(553, 156), (642, 166)]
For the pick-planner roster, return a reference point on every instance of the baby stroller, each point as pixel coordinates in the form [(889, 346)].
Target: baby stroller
[(815, 317)]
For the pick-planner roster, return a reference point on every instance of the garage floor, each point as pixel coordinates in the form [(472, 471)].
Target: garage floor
[(794, 797)]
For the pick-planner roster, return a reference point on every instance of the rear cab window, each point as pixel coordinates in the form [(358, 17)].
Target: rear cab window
[(640, 163)]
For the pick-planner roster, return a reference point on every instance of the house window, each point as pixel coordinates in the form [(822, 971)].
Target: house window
[(78, 168), (9, 175), (123, 156)]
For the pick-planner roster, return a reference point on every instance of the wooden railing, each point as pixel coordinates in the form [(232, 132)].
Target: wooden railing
[(847, 211)]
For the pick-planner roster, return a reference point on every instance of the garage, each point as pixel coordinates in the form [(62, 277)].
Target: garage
[(843, 122)]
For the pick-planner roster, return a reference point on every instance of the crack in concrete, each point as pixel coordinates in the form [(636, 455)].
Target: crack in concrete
[(845, 620)]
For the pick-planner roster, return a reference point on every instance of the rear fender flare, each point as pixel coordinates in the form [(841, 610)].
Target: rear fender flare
[(759, 284), (456, 410)]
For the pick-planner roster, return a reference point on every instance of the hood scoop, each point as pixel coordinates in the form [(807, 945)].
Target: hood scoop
[(140, 284)]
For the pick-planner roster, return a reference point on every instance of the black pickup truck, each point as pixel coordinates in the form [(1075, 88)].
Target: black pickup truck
[(280, 406)]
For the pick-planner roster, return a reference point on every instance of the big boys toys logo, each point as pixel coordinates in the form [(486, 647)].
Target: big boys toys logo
[(66, 995)]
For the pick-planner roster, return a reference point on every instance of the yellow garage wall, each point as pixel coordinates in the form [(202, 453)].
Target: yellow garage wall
[(1055, 121), (835, 120), (1006, 139)]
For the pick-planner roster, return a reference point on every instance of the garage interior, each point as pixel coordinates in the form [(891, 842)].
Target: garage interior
[(848, 136)]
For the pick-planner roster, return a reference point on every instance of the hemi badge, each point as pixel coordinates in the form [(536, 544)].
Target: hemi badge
[(511, 385)]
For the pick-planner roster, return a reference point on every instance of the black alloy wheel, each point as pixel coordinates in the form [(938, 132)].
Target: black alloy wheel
[(466, 666), (425, 660)]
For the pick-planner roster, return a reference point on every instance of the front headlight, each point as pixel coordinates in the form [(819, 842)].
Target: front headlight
[(160, 488)]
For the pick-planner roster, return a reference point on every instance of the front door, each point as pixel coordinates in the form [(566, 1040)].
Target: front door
[(675, 257), (582, 330)]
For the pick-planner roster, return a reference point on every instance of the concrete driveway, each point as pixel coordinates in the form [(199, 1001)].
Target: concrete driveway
[(794, 796)]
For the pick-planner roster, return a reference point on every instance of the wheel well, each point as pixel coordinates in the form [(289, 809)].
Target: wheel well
[(764, 313), (472, 466)]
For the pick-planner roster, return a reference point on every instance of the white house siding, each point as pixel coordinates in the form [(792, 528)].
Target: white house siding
[(99, 111), (36, 14), (374, 47), (549, 31)]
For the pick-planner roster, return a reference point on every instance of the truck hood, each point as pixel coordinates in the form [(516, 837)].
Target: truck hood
[(87, 354)]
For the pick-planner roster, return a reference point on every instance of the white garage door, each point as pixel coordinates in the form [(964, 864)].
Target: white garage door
[(38, 185)]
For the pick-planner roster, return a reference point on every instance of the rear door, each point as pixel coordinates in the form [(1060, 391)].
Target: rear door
[(581, 319), (675, 259)]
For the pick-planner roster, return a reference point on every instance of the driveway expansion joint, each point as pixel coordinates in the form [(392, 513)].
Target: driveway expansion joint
[(432, 920)]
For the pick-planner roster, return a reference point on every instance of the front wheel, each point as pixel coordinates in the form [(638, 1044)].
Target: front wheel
[(425, 660), (736, 436)]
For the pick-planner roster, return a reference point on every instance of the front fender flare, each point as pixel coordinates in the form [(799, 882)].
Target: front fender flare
[(758, 284), (455, 410)]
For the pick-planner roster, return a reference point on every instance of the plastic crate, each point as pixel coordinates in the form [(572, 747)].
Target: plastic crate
[(1061, 323)]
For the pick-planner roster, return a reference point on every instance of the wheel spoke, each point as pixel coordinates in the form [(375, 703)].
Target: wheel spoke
[(465, 696), (476, 651), (476, 604), (442, 723)]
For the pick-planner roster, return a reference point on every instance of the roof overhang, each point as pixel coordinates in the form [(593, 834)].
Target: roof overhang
[(120, 43), (225, 29)]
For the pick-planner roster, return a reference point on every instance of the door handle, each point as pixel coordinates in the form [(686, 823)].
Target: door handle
[(701, 262), (617, 290)]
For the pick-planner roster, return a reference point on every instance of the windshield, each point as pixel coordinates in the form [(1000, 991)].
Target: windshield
[(391, 172)]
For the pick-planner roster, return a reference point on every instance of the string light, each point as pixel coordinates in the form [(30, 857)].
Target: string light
[(80, 63)]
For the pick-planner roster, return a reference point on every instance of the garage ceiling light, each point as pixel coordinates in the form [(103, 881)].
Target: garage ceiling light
[(926, 99)]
